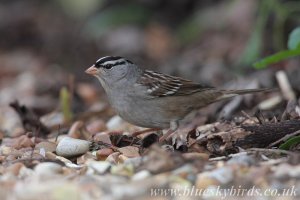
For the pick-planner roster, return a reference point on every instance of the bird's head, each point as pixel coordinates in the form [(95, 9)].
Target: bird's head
[(111, 69)]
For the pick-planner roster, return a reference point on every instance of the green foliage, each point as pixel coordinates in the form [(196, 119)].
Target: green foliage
[(290, 143), (254, 46), (282, 55), (280, 12), (65, 103), (294, 39), (294, 50)]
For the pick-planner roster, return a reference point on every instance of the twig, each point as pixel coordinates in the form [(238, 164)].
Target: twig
[(285, 85), (106, 145), (36, 134), (277, 151), (144, 131), (229, 156), (284, 138), (252, 149), (246, 115), (58, 133), (274, 161), (270, 103), (260, 117)]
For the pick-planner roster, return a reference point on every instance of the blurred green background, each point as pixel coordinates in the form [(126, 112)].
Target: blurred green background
[(207, 40)]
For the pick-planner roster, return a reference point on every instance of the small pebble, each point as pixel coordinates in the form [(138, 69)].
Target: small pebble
[(184, 171), (69, 163), (204, 181), (295, 172), (82, 159), (5, 150), (141, 175), (223, 175), (102, 137), (102, 154), (50, 155), (122, 170), (69, 147), (75, 130), (99, 166), (122, 158), (48, 146), (47, 169), (14, 168), (242, 160), (23, 142), (114, 123), (136, 162), (52, 119), (196, 156), (96, 126), (113, 158), (283, 171), (25, 172), (130, 151)]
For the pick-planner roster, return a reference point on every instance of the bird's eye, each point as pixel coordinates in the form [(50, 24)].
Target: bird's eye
[(108, 66)]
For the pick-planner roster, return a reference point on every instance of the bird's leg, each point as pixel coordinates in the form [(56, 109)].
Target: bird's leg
[(144, 131), (173, 127)]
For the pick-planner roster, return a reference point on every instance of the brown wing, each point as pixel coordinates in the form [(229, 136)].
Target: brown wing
[(162, 85)]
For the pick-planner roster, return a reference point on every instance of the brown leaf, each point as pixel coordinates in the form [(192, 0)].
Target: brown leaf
[(129, 151)]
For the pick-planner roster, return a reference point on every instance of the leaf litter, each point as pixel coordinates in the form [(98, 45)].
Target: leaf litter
[(86, 156)]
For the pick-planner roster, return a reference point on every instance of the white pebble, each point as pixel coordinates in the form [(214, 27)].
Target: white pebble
[(47, 169), (99, 166), (114, 122), (141, 175), (69, 147)]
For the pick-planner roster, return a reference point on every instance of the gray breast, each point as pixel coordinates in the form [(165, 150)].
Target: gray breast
[(140, 112)]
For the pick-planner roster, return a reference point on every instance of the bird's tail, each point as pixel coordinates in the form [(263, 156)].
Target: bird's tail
[(232, 93)]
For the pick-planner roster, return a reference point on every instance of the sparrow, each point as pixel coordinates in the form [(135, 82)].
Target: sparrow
[(151, 99)]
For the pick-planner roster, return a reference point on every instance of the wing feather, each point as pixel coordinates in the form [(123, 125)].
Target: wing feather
[(162, 85)]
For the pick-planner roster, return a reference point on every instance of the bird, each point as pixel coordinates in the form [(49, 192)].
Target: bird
[(151, 99)]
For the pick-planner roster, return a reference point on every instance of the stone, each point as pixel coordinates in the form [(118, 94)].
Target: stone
[(70, 147)]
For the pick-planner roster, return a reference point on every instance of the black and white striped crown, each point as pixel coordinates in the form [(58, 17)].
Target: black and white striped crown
[(111, 61)]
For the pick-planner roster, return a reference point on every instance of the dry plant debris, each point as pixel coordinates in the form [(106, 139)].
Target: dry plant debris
[(107, 158)]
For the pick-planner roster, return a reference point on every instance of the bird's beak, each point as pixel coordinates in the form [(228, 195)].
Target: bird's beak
[(92, 70)]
